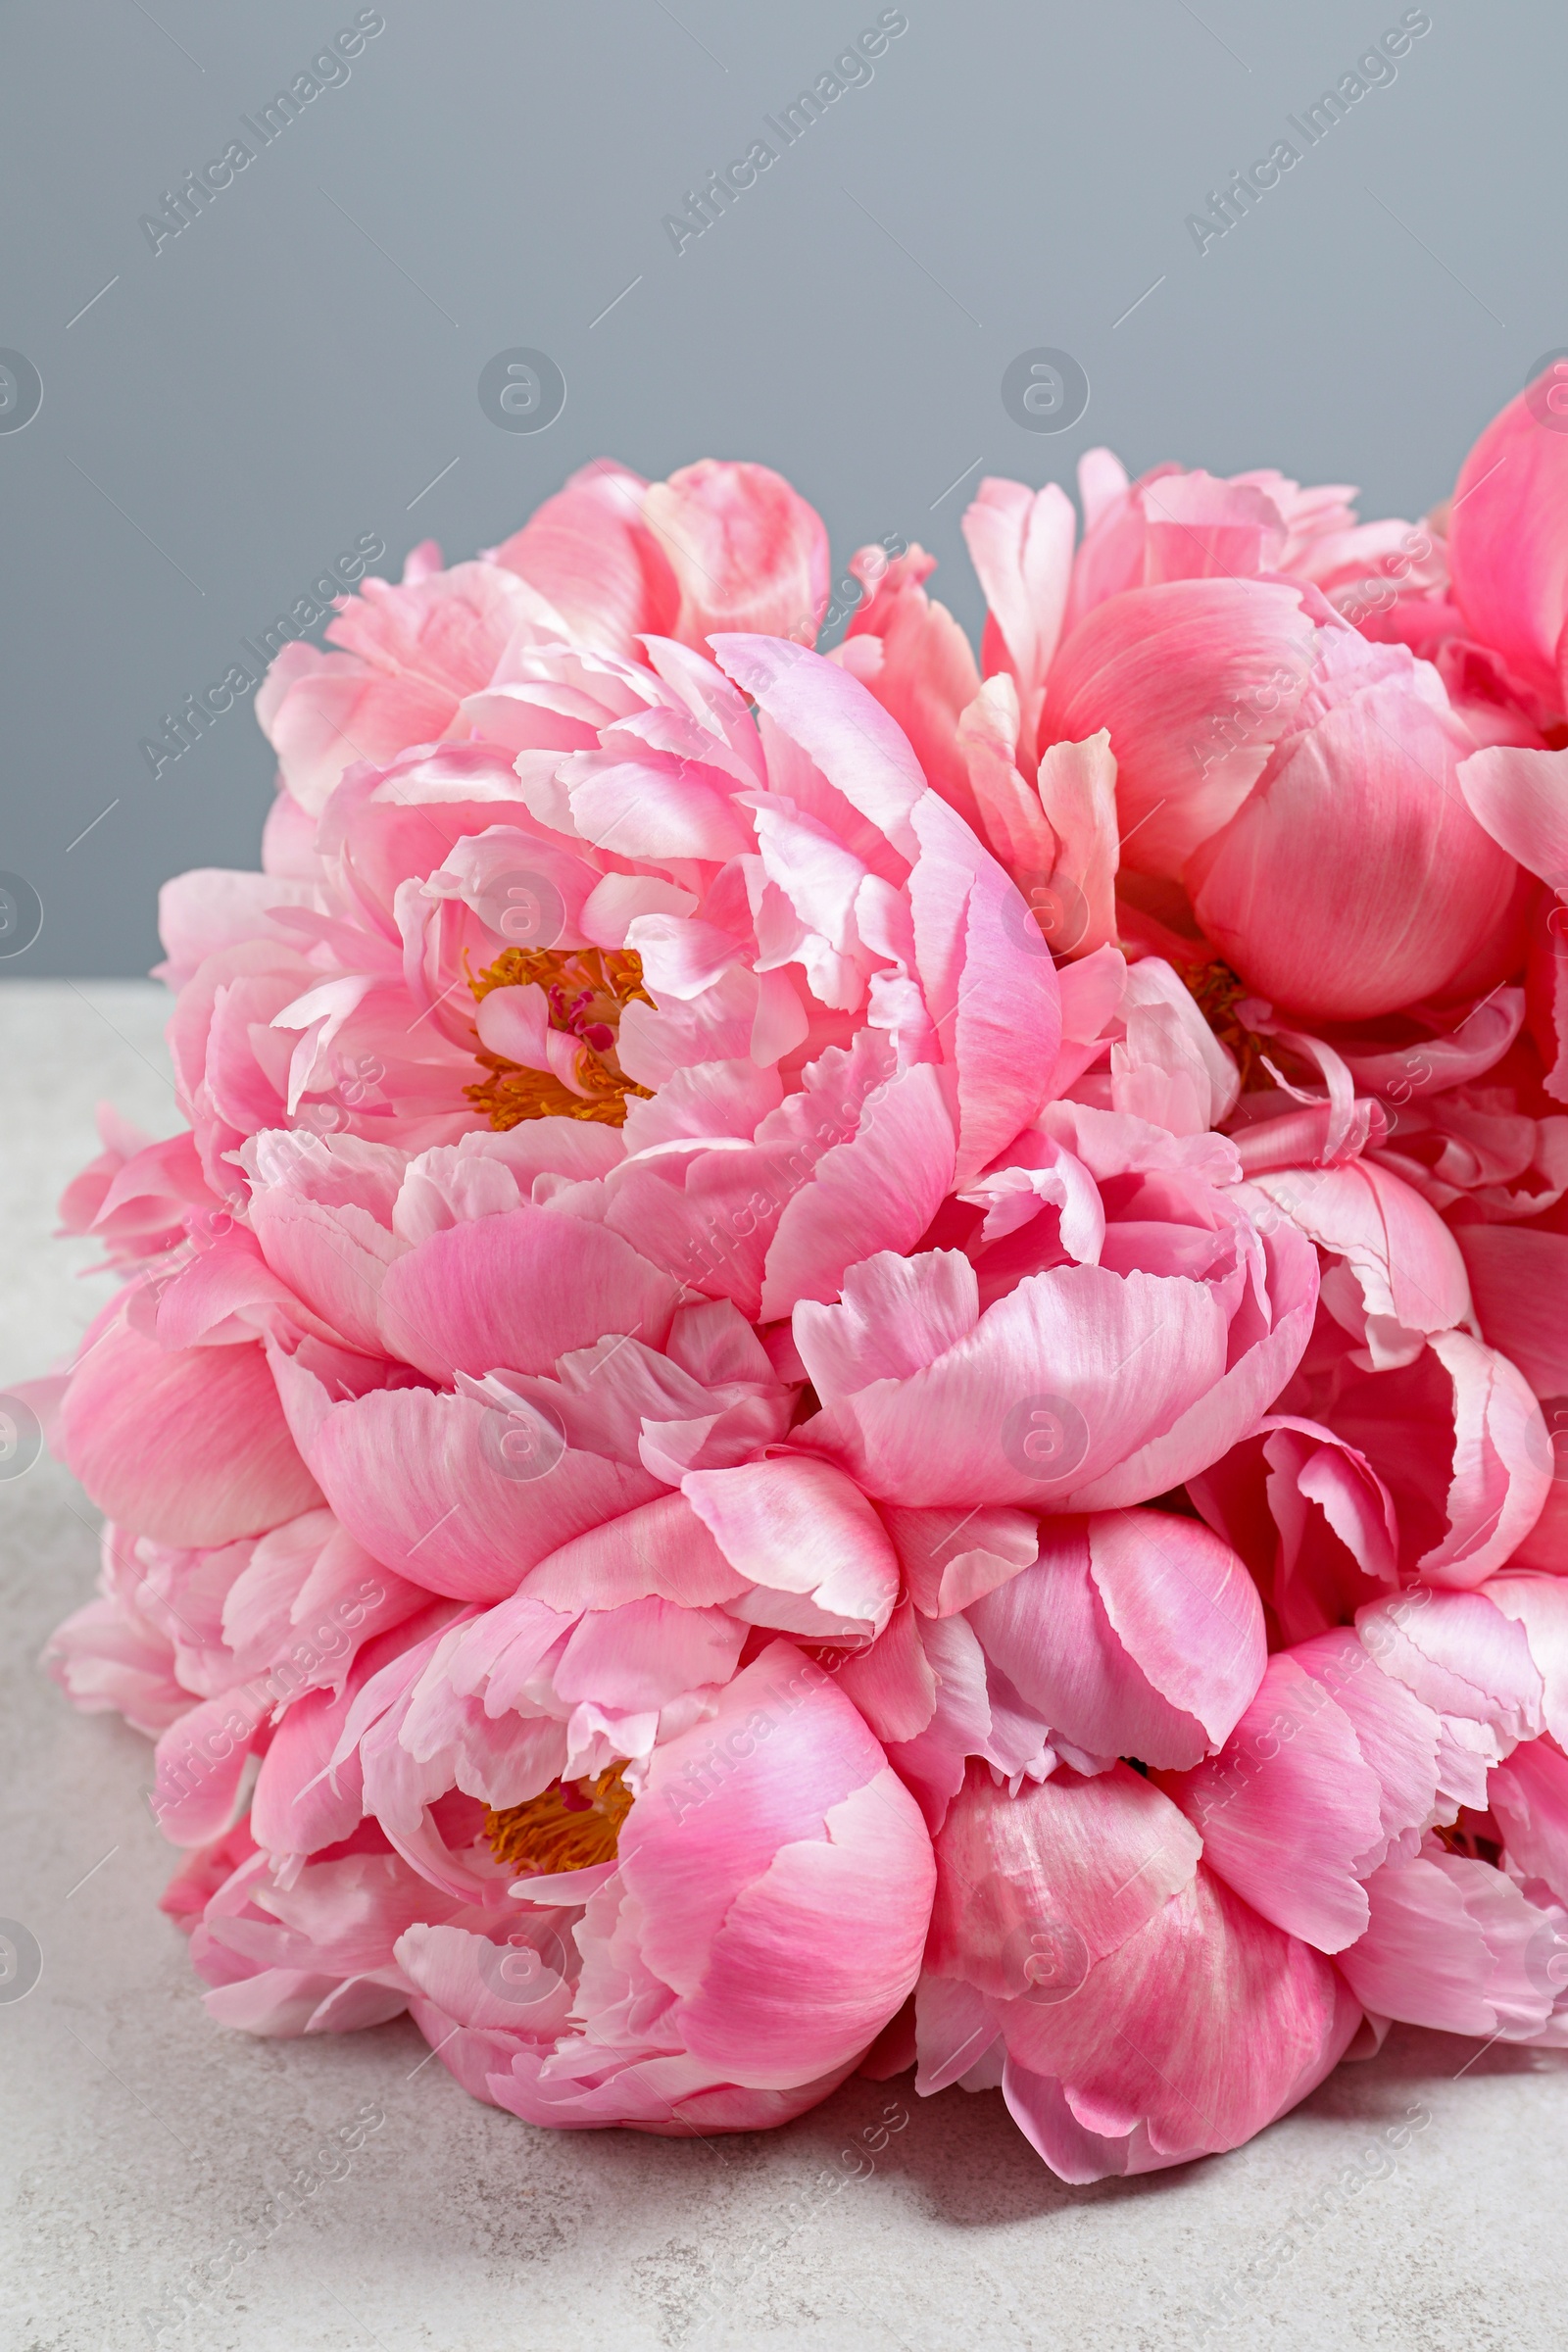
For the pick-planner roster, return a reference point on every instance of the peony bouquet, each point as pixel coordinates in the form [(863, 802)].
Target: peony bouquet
[(851, 1360)]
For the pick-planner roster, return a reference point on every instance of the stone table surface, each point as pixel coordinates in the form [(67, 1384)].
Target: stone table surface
[(1413, 2202)]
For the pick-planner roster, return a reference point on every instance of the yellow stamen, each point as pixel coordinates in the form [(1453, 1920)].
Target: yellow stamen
[(596, 984), (512, 1093), (546, 1833)]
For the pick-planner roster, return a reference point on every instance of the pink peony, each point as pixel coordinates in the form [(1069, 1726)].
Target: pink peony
[(838, 1325), (756, 1920), (994, 1370), (1134, 2010), (708, 1946), (1206, 627)]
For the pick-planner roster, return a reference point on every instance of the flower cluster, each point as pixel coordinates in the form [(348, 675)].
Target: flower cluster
[(851, 1361)]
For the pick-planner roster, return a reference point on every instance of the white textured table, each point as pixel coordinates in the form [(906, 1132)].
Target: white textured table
[(138, 2139)]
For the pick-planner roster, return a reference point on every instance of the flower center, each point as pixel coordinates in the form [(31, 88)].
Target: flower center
[(1216, 991), (569, 1826), (587, 989), (1471, 1837)]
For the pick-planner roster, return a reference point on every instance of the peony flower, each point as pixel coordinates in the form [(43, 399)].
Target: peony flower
[(755, 895), (1241, 709), (736, 1407), (994, 1369), (718, 1944), (171, 1416), (1389, 1797), (1135, 2011)]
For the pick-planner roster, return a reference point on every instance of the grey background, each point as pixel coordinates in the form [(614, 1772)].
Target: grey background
[(280, 379)]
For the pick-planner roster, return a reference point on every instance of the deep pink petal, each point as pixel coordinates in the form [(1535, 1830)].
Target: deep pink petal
[(1507, 547), (1163, 669)]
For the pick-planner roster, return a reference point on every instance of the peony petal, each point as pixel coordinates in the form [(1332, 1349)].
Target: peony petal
[(795, 1524), (1451, 1946), (746, 550), (520, 1291), (1196, 680), (188, 1445), (1508, 549)]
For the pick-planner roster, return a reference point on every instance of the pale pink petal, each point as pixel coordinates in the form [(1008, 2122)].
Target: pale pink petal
[(1102, 1855), (1521, 797), (990, 985), (1011, 819), (1528, 1798), (877, 1192), (1077, 786), (588, 551), (1290, 1809), (1503, 1463), (727, 1909), (943, 1433), (1182, 1605), (660, 1548), (799, 1525), (515, 1985), (647, 805), (186, 1445), (212, 908), (647, 1653), (1539, 1603), (1359, 833), (840, 727), (1462, 1656), (1406, 1263), (1169, 1068), (893, 1683), (1147, 2015), (1245, 2020), (297, 1805), (746, 550), (1020, 543), (1452, 1945), (911, 653), (425, 1484), (322, 712), (518, 1290)]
